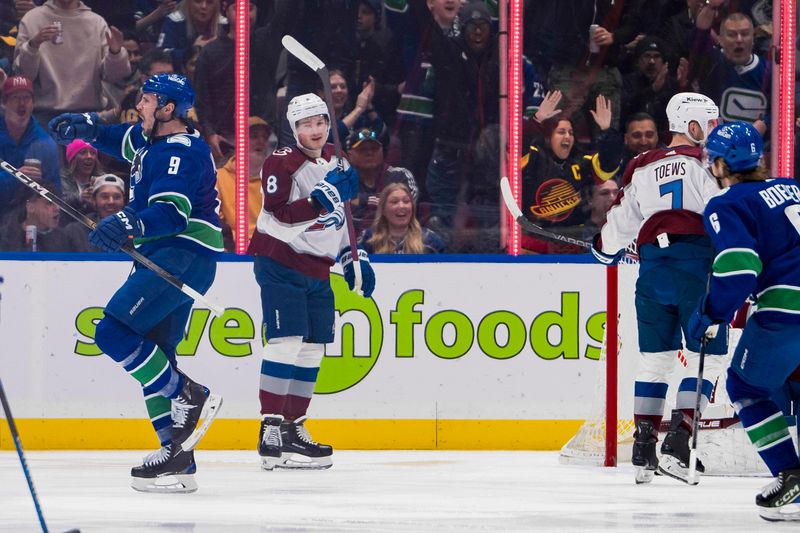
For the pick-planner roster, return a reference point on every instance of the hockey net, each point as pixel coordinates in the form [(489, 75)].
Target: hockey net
[(723, 445)]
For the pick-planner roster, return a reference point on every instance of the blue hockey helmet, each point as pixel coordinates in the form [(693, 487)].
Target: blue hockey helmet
[(738, 144), (171, 88)]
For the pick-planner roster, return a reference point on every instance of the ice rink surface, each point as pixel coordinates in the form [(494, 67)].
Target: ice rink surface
[(376, 491)]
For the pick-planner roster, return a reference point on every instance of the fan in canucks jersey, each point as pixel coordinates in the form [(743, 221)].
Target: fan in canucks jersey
[(172, 219), (755, 227)]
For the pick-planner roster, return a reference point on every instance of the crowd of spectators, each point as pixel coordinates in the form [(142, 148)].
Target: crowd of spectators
[(415, 86)]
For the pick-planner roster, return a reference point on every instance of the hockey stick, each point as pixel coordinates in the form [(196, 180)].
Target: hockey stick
[(692, 477), (527, 225), (314, 63), (128, 249), (18, 445), (15, 436)]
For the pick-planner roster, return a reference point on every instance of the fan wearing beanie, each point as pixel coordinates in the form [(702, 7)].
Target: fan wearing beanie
[(76, 181)]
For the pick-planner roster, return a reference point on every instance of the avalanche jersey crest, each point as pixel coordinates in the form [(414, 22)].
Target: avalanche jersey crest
[(556, 199)]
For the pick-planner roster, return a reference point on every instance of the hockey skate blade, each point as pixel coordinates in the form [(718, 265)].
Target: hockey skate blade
[(210, 411), (269, 463), (294, 461), (643, 475), (670, 466), (166, 484), (785, 513)]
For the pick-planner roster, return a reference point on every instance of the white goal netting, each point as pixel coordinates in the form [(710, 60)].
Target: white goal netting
[(722, 445)]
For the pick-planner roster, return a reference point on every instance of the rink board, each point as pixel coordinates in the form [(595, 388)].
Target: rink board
[(445, 355)]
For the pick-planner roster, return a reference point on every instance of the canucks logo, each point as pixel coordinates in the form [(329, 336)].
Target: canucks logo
[(136, 169), (556, 199)]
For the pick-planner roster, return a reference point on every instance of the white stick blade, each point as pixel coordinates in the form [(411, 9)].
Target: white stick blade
[(508, 198), (302, 53)]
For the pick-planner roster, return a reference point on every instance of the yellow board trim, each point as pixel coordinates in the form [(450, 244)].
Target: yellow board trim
[(237, 434)]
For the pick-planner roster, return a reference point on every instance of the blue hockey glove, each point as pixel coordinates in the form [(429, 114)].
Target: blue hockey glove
[(336, 187), (334, 218), (67, 127), (114, 231), (700, 324), (367, 274), (606, 259)]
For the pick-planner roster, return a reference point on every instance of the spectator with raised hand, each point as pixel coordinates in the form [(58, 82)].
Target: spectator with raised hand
[(650, 86), (396, 229), (739, 81), (193, 22), (116, 92), (67, 50), (349, 116), (76, 181), (149, 16), (556, 174), (23, 6), (226, 183), (108, 194), (583, 41), (23, 142)]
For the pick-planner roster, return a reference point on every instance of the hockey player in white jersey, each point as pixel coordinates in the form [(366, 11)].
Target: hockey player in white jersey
[(301, 232), (660, 207)]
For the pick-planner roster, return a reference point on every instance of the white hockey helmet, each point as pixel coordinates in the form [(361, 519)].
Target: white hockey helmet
[(684, 108), (304, 106)]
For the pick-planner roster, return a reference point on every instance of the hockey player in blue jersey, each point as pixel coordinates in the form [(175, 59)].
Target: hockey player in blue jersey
[(171, 219), (755, 228)]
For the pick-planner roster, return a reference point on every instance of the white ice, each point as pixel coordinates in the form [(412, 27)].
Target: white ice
[(380, 491)]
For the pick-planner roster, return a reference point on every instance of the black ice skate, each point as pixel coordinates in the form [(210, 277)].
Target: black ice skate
[(269, 441), (780, 500), (299, 449), (644, 459), (193, 403), (675, 450), (168, 470)]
